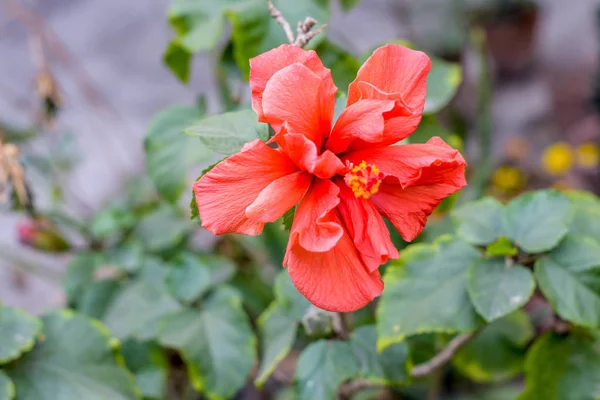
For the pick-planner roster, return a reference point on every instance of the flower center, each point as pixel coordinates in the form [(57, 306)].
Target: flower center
[(364, 180)]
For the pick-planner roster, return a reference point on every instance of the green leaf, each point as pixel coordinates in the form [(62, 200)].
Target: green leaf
[(80, 274), (429, 127), (162, 229), (344, 66), (479, 222), (227, 133), (18, 331), (152, 381), (390, 367), (348, 5), (170, 153), (497, 289), (7, 388), (497, 352), (76, 360), (536, 221), (442, 83), (192, 276), (216, 343), (569, 277), (502, 247), (277, 332), (137, 309), (288, 219), (289, 297), (426, 291), (322, 367), (340, 105), (254, 31), (97, 297), (111, 221), (179, 60), (562, 367), (586, 215)]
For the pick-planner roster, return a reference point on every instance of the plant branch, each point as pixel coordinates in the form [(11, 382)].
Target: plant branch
[(304, 30), (419, 371)]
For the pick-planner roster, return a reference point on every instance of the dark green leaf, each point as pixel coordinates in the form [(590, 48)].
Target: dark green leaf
[(216, 343), (227, 133), (170, 153), (162, 229), (76, 360), (563, 367), (277, 332), (340, 105), (97, 297), (188, 278), (7, 388), (80, 274), (569, 277), (288, 218), (128, 257), (426, 291), (536, 221), (479, 222), (586, 216), (348, 5), (497, 288), (137, 309), (18, 331), (497, 352), (289, 297), (110, 222), (502, 247), (322, 367), (442, 82), (343, 65), (429, 127), (255, 31), (390, 367), (178, 59)]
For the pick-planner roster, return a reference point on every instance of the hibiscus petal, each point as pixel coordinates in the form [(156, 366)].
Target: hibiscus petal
[(366, 228), (300, 98), (224, 193), (335, 280), (278, 197), (397, 73), (264, 66), (362, 120), (419, 177), (314, 227), (304, 153)]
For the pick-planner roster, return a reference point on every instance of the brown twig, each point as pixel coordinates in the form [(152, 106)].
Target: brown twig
[(419, 371), (304, 30), (341, 325)]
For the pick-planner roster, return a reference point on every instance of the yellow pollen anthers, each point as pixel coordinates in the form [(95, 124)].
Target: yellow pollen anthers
[(364, 180)]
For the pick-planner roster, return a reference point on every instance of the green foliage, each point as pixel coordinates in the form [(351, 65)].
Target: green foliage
[(18, 332), (77, 359), (220, 329), (227, 133), (479, 222), (390, 366), (563, 367), (426, 291), (322, 367), (442, 83), (497, 353), (169, 153), (569, 277), (7, 387), (497, 288)]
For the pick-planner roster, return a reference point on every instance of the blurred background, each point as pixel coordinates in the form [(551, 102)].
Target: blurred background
[(80, 81)]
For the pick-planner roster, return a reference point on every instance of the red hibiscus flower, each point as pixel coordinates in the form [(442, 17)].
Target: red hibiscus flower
[(343, 179)]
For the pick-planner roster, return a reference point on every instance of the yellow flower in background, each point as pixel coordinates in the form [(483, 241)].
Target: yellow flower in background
[(588, 155), (508, 179), (558, 158)]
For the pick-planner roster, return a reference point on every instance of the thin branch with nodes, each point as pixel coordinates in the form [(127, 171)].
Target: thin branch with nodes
[(304, 29), (419, 371)]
